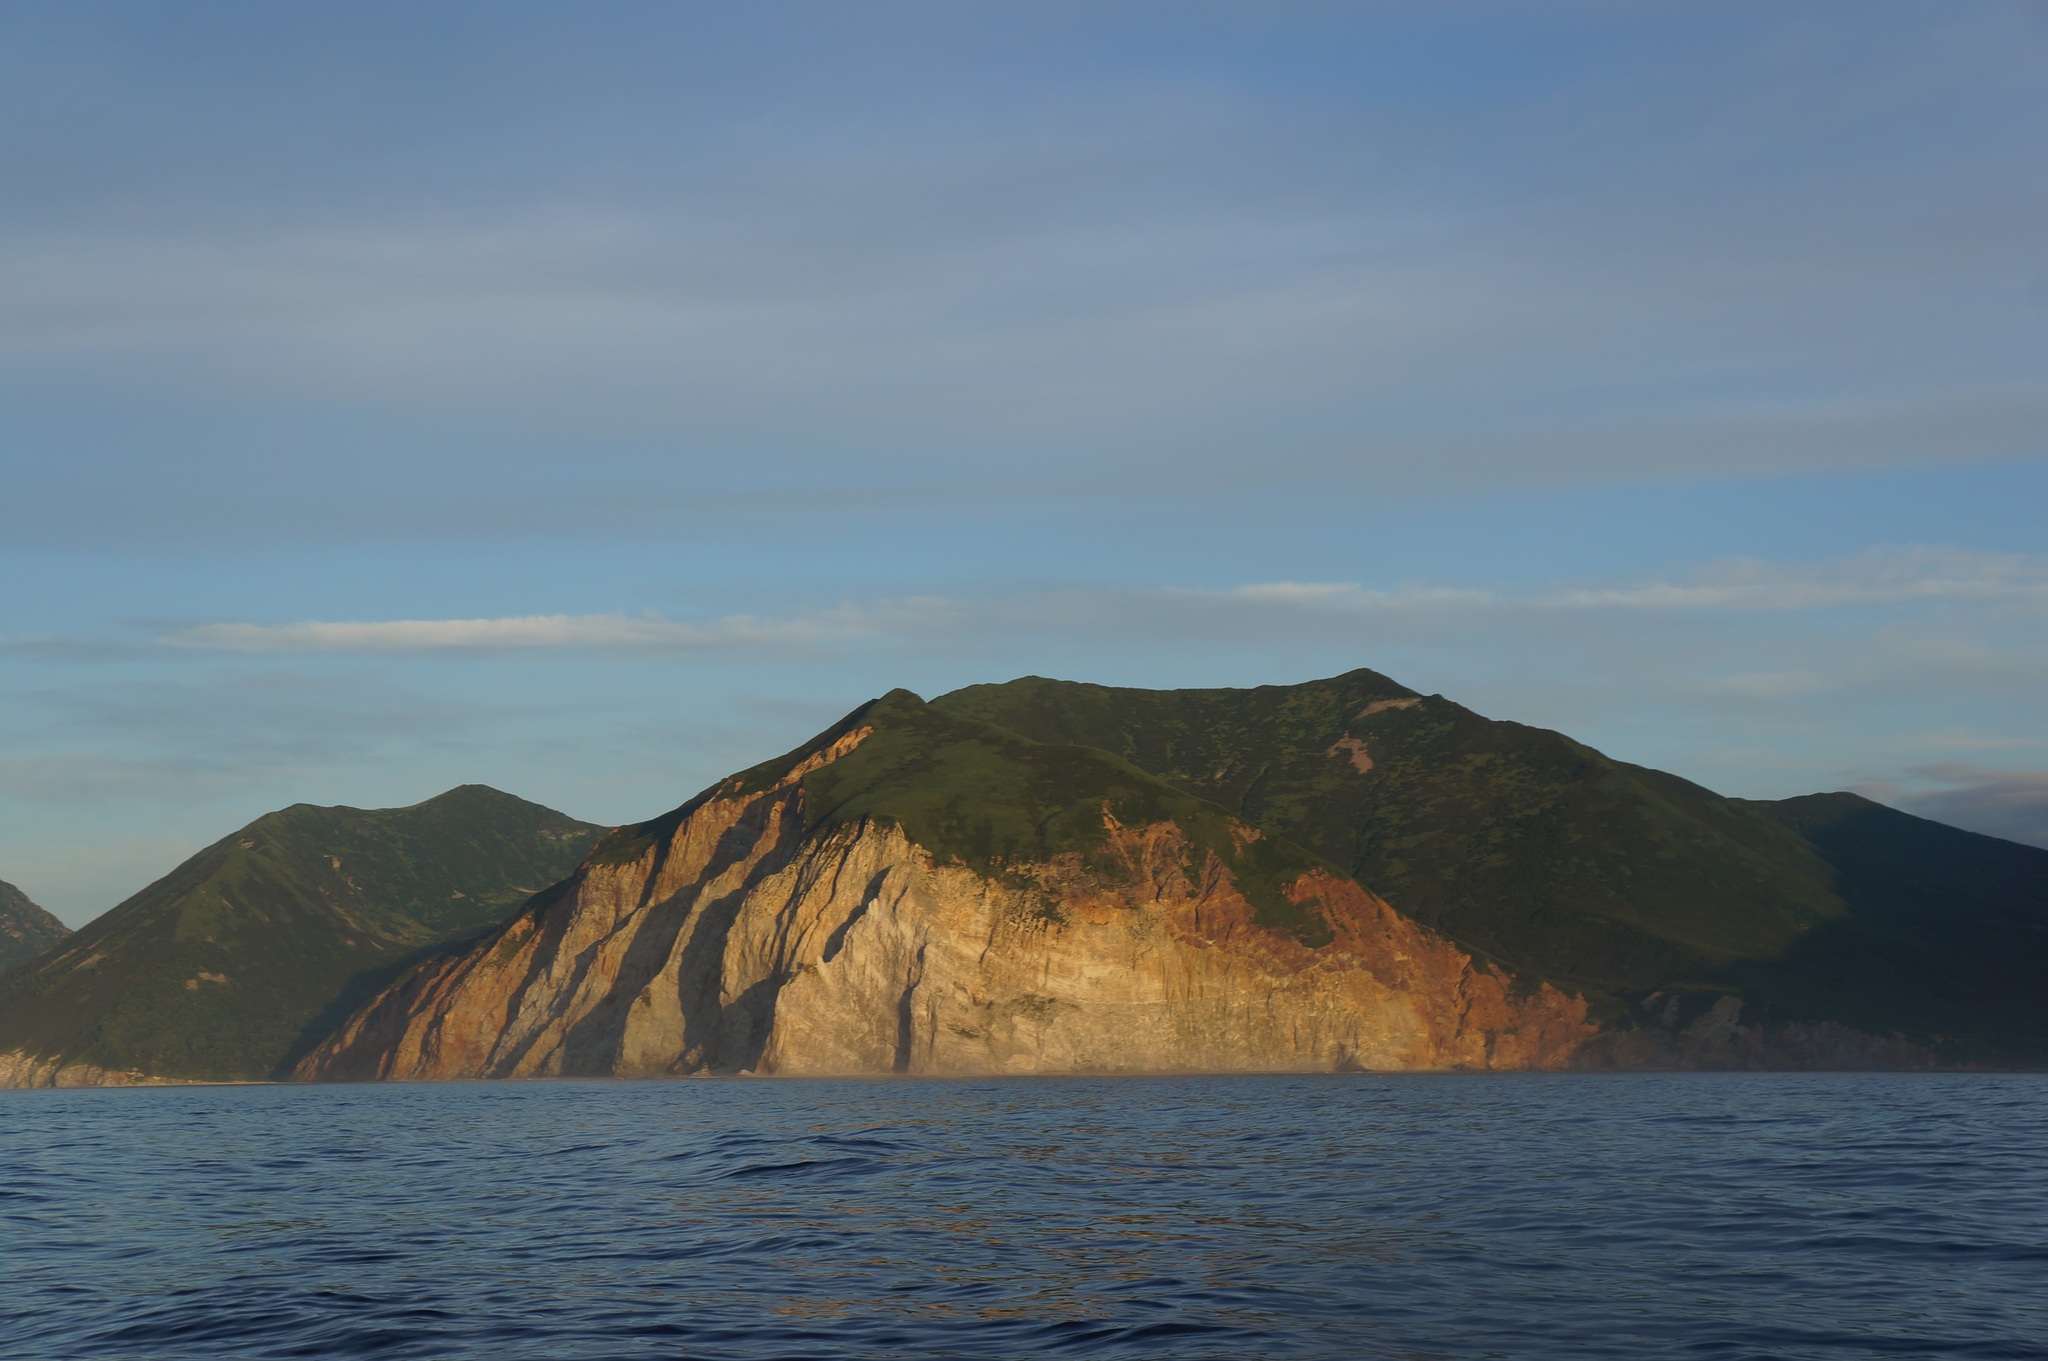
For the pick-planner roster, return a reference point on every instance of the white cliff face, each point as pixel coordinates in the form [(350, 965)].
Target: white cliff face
[(740, 945)]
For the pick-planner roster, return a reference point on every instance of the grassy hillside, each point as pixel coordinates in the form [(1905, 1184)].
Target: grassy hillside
[(25, 929), (230, 966), (1517, 842)]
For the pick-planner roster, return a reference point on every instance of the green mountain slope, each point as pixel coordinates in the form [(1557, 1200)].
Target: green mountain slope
[(25, 929), (1516, 842), (234, 963), (1560, 863)]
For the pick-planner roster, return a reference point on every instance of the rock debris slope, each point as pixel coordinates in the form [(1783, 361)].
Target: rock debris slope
[(917, 892)]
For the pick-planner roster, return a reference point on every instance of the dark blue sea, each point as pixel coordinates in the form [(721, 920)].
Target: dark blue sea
[(1700, 1216)]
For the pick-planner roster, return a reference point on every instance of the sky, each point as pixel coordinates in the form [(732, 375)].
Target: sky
[(592, 400)]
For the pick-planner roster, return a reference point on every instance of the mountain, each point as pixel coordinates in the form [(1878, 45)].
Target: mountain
[(1674, 911), (25, 929), (231, 965), (918, 891)]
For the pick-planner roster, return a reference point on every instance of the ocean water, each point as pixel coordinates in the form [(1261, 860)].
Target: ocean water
[(1635, 1215)]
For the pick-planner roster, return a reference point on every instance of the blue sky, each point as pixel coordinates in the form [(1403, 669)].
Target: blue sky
[(592, 400)]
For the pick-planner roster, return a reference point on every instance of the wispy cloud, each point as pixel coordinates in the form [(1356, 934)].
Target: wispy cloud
[(1893, 577), (526, 631), (1778, 684), (1882, 577), (1890, 577), (1350, 595)]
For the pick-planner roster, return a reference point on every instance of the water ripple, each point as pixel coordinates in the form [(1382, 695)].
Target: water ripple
[(1625, 1216)]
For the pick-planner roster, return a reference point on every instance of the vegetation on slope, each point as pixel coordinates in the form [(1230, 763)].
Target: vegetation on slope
[(25, 929), (234, 963), (1518, 843), (997, 802), (1560, 863), (990, 799)]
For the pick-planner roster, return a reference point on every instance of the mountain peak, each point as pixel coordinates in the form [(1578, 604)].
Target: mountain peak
[(475, 794)]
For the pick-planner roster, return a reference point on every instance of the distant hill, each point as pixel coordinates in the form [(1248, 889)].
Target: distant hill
[(235, 962), (25, 929), (1650, 895)]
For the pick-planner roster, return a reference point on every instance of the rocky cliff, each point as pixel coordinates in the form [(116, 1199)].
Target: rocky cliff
[(925, 894)]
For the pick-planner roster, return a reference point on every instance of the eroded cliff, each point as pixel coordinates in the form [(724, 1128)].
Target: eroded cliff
[(794, 921)]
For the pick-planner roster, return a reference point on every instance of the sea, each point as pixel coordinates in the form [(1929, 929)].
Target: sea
[(1439, 1216)]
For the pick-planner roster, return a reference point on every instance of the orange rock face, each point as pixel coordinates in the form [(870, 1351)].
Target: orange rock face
[(739, 944)]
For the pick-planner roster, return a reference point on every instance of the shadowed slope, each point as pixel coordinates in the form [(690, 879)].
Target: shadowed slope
[(1946, 934)]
